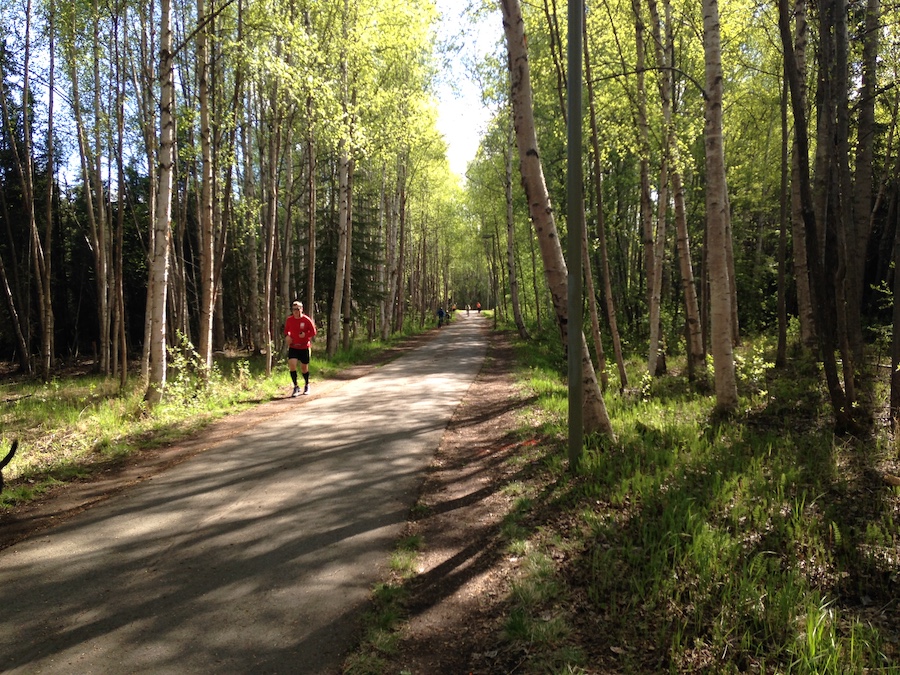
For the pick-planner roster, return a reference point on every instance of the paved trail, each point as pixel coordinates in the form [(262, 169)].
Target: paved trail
[(256, 556)]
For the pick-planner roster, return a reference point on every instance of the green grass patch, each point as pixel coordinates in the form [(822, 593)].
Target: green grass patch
[(757, 543), (74, 425)]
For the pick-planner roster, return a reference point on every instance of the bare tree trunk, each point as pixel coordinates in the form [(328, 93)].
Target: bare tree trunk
[(781, 354), (390, 261), (206, 237), (398, 275), (255, 337), (272, 160), (717, 216), (144, 81), (863, 195), (102, 253), (347, 306), (25, 169), (671, 160), (383, 262), (592, 306), (159, 268), (596, 418), (511, 236), (334, 318), (334, 321), (696, 355), (311, 213), (846, 246), (287, 293), (601, 224), (798, 230), (118, 253), (655, 273), (817, 275), (535, 284), (646, 208)]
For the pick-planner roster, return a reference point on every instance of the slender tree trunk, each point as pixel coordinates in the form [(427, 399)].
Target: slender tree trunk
[(391, 232), (25, 170), (717, 216), (346, 307), (596, 418), (817, 275), (102, 253), (863, 192), (798, 229), (556, 51), (311, 213), (287, 293), (655, 364), (334, 321), (781, 355), (591, 293), (511, 235), (272, 161), (696, 355), (601, 224), (398, 279), (535, 283), (206, 237), (159, 268), (118, 253), (335, 315), (845, 244), (144, 81), (10, 278)]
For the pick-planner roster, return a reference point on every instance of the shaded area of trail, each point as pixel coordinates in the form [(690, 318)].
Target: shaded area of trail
[(256, 555)]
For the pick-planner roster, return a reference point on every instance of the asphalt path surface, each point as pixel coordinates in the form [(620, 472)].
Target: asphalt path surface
[(256, 556)]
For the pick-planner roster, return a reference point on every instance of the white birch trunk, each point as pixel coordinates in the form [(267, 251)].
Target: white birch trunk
[(717, 217), (159, 263), (596, 418)]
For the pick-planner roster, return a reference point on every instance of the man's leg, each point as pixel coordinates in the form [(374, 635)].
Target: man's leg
[(304, 368)]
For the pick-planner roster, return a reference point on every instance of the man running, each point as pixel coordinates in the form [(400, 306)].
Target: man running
[(299, 330)]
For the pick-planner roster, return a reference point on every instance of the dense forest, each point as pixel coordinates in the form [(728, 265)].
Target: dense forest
[(176, 174)]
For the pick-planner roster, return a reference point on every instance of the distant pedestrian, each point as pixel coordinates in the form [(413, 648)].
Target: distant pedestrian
[(467, 309), (440, 315), (478, 307), (299, 330)]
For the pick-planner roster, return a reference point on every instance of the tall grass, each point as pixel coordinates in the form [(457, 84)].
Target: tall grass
[(757, 543)]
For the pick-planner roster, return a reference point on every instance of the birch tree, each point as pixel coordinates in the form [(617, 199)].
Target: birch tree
[(159, 263), (596, 418), (717, 216)]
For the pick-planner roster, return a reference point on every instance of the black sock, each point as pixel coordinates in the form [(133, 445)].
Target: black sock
[(294, 377), (306, 378)]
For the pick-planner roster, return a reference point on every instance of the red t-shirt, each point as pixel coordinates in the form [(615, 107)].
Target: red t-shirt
[(301, 330)]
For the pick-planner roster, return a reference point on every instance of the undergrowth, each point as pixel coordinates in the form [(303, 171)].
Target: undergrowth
[(757, 543)]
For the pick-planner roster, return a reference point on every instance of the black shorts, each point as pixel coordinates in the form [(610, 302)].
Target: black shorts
[(301, 354)]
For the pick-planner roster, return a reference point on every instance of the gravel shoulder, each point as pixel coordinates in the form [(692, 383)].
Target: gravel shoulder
[(456, 607)]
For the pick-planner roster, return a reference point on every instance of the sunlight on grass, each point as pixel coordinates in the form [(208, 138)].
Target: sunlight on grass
[(69, 426), (733, 543)]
